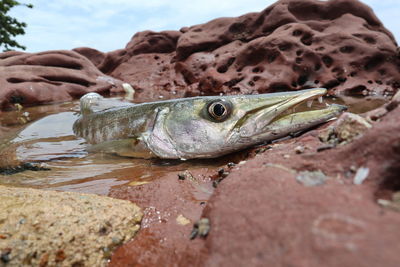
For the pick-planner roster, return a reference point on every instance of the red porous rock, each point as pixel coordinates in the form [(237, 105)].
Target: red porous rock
[(264, 214), (52, 76), (96, 56), (145, 42), (291, 45)]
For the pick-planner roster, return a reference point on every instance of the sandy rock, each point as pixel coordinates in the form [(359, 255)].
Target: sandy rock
[(347, 127), (51, 76), (46, 228)]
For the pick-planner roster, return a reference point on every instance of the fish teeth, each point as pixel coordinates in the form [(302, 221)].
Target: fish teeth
[(309, 103), (320, 99)]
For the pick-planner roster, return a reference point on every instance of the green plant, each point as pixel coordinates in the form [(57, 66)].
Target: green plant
[(9, 26)]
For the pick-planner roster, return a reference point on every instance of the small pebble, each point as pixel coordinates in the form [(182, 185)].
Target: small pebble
[(311, 178), (201, 228), (325, 147), (353, 168), (299, 149), (185, 175), (182, 220), (5, 255), (361, 175), (225, 174)]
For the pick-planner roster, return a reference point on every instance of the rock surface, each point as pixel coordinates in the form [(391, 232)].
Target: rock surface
[(263, 214), (347, 127), (45, 228), (287, 223), (52, 76), (291, 45), (295, 202)]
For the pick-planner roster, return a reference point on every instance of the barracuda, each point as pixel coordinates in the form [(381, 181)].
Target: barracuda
[(197, 127)]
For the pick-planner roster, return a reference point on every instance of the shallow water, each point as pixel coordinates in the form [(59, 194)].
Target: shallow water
[(44, 135), (48, 139)]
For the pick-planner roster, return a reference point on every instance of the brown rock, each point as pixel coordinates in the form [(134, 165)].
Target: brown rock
[(95, 56), (291, 45), (163, 239), (276, 221), (47, 77), (142, 43), (262, 215)]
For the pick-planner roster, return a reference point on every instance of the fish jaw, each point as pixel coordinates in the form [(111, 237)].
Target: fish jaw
[(300, 121), (256, 120), (278, 120)]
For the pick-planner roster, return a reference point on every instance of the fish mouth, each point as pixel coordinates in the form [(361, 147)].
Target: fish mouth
[(293, 113), (314, 105)]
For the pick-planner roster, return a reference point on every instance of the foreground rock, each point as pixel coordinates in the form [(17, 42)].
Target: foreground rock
[(51, 76), (291, 45), (262, 215), (45, 228), (280, 206)]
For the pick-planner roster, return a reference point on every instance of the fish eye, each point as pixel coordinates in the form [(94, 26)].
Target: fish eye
[(219, 110)]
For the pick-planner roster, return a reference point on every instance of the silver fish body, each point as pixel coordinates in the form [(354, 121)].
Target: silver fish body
[(197, 127)]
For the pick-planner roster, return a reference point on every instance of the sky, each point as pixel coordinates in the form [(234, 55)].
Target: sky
[(108, 25)]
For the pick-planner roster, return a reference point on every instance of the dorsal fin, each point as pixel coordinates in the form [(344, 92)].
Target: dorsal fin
[(93, 102)]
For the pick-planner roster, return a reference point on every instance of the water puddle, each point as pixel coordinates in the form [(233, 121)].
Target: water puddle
[(48, 139), (43, 135)]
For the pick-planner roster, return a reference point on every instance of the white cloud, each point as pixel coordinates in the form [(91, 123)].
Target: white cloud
[(109, 24)]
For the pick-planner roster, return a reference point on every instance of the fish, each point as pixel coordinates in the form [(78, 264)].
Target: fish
[(197, 127)]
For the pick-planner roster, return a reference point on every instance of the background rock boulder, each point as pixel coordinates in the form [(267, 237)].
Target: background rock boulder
[(291, 45), (50, 76)]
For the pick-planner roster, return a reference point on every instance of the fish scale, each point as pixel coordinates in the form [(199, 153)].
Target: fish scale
[(188, 128)]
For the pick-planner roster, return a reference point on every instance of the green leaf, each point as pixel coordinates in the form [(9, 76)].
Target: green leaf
[(10, 27)]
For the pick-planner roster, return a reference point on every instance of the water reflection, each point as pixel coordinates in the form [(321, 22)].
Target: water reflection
[(48, 139)]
